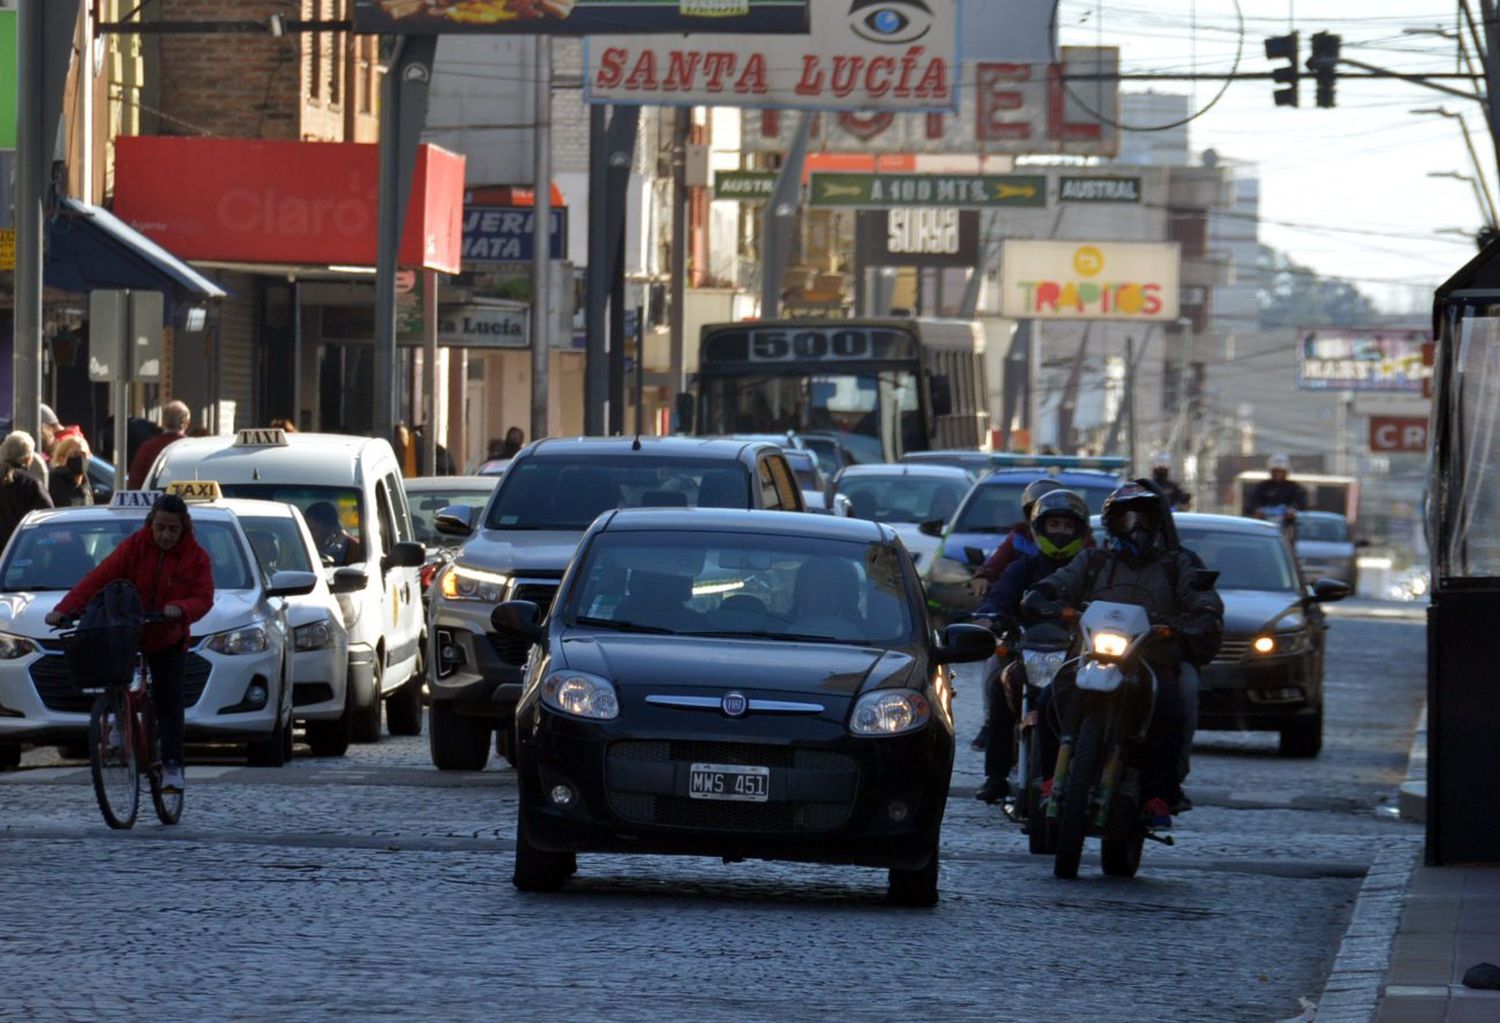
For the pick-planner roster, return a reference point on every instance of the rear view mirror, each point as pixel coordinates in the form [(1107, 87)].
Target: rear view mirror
[(454, 520), (965, 643), (1327, 591), (349, 580)]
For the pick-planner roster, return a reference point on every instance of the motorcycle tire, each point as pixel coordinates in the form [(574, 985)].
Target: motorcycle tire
[(1041, 835), (1073, 818), (1121, 857)]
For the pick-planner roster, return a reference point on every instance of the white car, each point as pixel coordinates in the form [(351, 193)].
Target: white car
[(237, 680), (321, 697), (905, 496)]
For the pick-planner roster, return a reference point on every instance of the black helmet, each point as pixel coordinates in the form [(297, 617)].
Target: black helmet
[(1034, 490), (1139, 533), (1059, 502)]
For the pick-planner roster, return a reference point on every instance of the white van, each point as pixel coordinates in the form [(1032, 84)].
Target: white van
[(350, 492)]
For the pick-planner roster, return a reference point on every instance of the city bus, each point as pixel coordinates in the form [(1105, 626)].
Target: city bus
[(885, 387)]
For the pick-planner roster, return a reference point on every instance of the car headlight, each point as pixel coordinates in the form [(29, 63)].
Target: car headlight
[(948, 572), (1282, 643), (312, 636), (890, 712), (581, 695), (471, 584), (250, 640), (12, 647), (1042, 665), (1110, 644)]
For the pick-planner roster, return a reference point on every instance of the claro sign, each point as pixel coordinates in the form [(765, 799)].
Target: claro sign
[(860, 55), (1060, 280), (300, 203)]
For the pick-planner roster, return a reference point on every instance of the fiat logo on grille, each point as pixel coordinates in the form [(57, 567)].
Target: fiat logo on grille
[(734, 704)]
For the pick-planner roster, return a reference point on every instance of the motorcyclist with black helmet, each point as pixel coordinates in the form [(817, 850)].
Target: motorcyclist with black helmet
[(1142, 563), (1018, 543)]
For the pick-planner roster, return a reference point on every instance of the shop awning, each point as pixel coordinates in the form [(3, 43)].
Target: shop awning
[(89, 248)]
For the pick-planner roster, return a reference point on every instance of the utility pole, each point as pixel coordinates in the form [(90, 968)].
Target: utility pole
[(780, 215), (1491, 58), (541, 243)]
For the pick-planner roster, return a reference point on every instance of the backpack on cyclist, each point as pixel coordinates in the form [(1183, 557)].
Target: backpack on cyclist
[(105, 648)]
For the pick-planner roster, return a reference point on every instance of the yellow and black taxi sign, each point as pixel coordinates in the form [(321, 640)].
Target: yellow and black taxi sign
[(260, 439), (196, 490), (130, 500)]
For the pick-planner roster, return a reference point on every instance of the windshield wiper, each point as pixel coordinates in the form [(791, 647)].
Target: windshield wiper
[(619, 626)]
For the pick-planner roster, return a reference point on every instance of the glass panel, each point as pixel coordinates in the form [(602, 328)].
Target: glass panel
[(569, 493), (425, 504), (1244, 562), (277, 543), (1473, 528), (57, 554), (903, 499)]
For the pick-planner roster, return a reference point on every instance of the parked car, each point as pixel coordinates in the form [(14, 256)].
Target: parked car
[(905, 496), (727, 683), (518, 547), (1325, 547)]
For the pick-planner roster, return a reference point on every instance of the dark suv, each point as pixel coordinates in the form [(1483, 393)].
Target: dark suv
[(519, 545)]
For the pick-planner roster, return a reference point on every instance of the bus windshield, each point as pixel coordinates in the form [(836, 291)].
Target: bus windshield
[(875, 414)]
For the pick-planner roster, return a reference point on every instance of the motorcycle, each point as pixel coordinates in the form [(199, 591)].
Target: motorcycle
[(1037, 654), (1283, 515), (1096, 785)]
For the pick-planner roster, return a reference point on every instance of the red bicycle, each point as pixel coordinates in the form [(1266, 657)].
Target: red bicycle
[(124, 743)]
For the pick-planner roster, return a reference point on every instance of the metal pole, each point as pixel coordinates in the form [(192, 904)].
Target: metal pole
[(780, 213), (596, 365), (617, 343), (640, 370), (121, 387), (1130, 438), (33, 153), (541, 240), (680, 135), (1489, 200), (429, 373), (1491, 55)]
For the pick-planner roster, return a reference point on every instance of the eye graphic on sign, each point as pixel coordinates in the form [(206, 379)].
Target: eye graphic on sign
[(896, 22), (1088, 261)]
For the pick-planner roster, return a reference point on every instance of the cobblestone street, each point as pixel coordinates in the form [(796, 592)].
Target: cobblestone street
[(374, 887)]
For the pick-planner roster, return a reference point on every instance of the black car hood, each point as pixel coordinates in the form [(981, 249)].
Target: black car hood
[(667, 662), (1248, 612)]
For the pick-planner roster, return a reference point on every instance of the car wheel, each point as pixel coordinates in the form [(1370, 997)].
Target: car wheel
[(331, 738), (505, 741), (275, 751), (915, 887), (367, 719), (540, 870), (458, 743), (10, 756), (1303, 739), (403, 708)]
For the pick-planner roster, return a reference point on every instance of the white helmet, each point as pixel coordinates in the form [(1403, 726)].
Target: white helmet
[(1279, 461)]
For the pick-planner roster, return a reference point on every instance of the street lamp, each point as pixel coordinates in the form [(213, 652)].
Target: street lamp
[(1487, 204), (1479, 194)]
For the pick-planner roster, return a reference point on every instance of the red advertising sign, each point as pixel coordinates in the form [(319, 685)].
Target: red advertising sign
[(1398, 434), (300, 203)]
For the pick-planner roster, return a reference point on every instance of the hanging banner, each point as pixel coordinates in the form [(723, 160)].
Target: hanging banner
[(1004, 108), (1069, 280), (1363, 360), (578, 17), (858, 56)]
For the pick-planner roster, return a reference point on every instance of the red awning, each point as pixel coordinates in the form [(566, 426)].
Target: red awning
[(303, 203), (509, 195)]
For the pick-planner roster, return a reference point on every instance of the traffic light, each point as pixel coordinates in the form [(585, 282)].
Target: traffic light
[(1324, 64), (1285, 48)]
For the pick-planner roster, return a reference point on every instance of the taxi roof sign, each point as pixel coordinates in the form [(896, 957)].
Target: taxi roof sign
[(261, 438), (196, 490), (132, 499)]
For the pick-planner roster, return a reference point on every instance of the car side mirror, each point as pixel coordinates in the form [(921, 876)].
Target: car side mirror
[(963, 644), (455, 520), (348, 580), (519, 618), (975, 557), (1204, 579), (1327, 591), (932, 527), (292, 584), (405, 554)]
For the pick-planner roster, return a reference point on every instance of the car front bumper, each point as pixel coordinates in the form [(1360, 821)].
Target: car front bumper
[(472, 666), (1264, 694)]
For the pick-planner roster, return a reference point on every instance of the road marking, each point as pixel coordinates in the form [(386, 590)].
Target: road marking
[(40, 775)]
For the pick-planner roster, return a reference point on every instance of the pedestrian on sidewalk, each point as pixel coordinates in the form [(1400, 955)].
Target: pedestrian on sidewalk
[(175, 419), (19, 490), (68, 482)]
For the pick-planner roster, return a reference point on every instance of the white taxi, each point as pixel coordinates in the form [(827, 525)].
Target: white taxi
[(237, 679)]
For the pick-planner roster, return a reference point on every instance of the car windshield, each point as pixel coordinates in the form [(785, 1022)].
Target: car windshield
[(1244, 561), (996, 507), (346, 501), (569, 493), (277, 543), (425, 504), (744, 584), (903, 499), (1322, 528), (56, 554)]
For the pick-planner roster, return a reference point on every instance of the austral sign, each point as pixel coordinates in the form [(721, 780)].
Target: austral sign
[(886, 191), (744, 186), (1080, 189), (579, 17)]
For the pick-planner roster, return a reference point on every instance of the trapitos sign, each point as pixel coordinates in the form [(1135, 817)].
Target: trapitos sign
[(1070, 280)]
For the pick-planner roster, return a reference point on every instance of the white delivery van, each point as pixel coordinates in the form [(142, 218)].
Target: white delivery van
[(350, 492)]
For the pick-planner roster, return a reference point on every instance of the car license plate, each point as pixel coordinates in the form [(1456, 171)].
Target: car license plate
[(734, 782)]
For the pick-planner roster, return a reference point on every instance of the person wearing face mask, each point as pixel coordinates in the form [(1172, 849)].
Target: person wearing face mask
[(1161, 473), (68, 482)]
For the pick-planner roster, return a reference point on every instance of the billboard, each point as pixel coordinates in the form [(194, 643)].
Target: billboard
[(578, 17), (918, 237), (858, 56), (505, 234), (1398, 434), (1004, 108), (1070, 280), (1362, 360)]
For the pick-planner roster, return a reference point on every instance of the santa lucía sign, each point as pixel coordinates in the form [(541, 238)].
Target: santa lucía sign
[(578, 17)]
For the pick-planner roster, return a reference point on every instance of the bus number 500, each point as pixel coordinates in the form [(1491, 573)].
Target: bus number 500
[(777, 345)]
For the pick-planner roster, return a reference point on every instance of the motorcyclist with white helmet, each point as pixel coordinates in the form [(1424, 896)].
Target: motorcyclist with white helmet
[(1279, 491)]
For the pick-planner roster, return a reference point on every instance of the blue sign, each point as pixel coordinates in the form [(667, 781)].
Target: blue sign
[(503, 234)]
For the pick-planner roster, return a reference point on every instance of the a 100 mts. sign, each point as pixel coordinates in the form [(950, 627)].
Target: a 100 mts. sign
[(876, 191), (578, 17)]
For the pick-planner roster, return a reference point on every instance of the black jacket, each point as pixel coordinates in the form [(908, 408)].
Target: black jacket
[(1269, 493), (19, 493)]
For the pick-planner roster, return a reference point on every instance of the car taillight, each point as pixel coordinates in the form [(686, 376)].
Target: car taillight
[(429, 572)]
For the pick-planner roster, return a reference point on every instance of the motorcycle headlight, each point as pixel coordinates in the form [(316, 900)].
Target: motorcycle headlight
[(471, 584), (312, 636), (12, 647), (1042, 666), (889, 712), (1110, 644), (251, 640), (581, 695), (948, 572)]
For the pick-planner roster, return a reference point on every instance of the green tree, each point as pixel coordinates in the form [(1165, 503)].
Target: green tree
[(1293, 295)]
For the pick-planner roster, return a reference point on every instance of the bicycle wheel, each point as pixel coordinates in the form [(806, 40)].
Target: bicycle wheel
[(112, 760), (168, 804)]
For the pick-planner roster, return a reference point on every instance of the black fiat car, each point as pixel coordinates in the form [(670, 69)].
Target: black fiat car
[(736, 684)]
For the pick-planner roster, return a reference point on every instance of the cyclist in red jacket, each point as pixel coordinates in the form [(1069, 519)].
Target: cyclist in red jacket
[(175, 579)]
